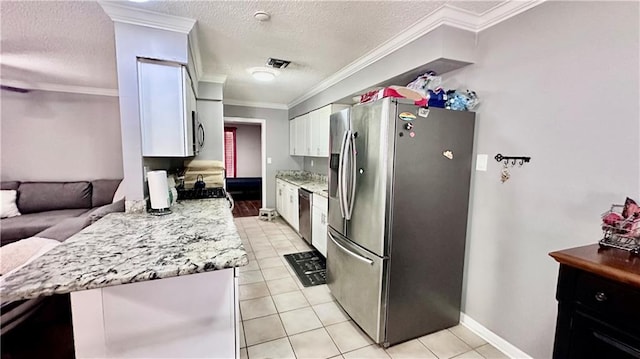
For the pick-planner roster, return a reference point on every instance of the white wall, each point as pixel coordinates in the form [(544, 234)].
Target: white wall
[(277, 135), (248, 150), (58, 136), (559, 83)]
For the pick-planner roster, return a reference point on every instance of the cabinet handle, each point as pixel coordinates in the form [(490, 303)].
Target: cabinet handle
[(601, 297)]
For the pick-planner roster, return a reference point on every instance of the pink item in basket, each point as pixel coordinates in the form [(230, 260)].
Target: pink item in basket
[(612, 219), (397, 92)]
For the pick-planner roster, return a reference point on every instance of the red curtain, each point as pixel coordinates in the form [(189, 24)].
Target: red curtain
[(230, 157)]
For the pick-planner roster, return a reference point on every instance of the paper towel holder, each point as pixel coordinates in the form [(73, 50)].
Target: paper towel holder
[(159, 201)]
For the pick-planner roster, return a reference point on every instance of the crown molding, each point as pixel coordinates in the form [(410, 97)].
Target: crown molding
[(505, 11), (43, 86), (444, 15), (135, 16), (271, 105), (215, 78)]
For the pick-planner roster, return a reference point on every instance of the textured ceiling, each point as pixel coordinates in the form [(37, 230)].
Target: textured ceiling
[(60, 42), (71, 43)]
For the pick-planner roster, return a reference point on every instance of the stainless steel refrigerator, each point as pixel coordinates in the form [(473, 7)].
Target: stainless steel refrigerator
[(398, 200)]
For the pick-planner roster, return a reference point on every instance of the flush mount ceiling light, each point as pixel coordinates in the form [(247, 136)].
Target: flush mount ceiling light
[(262, 16), (138, 0), (263, 73)]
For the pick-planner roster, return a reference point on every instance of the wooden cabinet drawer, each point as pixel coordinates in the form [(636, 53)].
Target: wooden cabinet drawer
[(609, 299)]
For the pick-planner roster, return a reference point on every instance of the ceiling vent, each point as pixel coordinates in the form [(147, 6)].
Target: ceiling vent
[(277, 63)]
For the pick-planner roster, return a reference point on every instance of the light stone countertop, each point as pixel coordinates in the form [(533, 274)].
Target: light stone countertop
[(311, 182), (199, 236)]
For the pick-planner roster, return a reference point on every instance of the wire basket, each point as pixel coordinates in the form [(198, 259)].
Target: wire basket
[(623, 233)]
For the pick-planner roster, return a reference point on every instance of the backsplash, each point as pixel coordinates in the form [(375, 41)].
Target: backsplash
[(320, 165)]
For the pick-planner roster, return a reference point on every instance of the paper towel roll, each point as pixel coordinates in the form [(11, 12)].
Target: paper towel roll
[(158, 189)]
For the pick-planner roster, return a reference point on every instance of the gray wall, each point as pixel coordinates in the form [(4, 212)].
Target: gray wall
[(320, 165), (248, 150), (58, 136), (277, 143), (558, 83)]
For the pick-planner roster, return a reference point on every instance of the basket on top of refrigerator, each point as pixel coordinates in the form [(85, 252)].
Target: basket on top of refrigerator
[(621, 227)]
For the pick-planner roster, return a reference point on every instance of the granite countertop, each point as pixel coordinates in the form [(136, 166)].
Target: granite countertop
[(312, 182), (611, 263), (199, 236)]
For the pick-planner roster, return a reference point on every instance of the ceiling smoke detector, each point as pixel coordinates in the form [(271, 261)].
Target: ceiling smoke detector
[(277, 63), (262, 16)]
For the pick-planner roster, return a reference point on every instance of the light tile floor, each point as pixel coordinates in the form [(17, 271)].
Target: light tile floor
[(282, 319)]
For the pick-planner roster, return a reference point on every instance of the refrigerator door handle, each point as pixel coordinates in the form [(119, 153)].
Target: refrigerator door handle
[(342, 175), (352, 150), (354, 255)]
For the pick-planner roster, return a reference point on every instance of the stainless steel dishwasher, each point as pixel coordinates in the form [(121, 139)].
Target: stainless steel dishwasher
[(304, 214)]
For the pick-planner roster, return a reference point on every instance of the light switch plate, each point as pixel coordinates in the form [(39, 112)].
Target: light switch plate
[(311, 163), (268, 160), (481, 162)]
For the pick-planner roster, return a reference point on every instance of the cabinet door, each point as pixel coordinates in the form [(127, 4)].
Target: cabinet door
[(301, 135), (319, 230), (292, 137), (322, 131), (162, 109), (279, 196), (293, 207)]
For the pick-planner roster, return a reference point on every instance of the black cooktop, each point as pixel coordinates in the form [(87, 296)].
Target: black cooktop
[(198, 193)]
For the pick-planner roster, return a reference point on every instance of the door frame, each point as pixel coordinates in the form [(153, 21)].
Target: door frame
[(263, 147)]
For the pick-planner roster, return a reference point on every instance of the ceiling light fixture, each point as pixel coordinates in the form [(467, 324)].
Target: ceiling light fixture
[(138, 0), (262, 16), (263, 73)]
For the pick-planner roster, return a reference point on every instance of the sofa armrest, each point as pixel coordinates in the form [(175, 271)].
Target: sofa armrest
[(102, 211)]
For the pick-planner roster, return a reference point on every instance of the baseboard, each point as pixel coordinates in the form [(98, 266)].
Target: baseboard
[(492, 338)]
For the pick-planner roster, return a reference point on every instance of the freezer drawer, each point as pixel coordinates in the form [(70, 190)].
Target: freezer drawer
[(354, 277)]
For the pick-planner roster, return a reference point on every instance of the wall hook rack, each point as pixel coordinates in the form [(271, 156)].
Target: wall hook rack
[(513, 159)]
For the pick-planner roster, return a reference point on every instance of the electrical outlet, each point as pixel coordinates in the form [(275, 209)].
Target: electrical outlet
[(481, 162)]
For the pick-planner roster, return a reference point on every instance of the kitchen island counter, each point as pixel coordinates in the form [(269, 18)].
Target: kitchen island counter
[(198, 236)]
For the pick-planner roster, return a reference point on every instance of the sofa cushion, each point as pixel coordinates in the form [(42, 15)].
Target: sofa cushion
[(66, 228), (103, 191), (26, 225), (8, 207), (95, 214), (9, 185), (48, 196)]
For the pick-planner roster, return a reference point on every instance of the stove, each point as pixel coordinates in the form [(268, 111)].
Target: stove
[(199, 193)]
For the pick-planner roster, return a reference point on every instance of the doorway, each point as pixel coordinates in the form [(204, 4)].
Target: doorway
[(245, 161)]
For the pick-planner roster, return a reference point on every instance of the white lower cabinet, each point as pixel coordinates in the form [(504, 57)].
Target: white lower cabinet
[(287, 202), (294, 219), (319, 224)]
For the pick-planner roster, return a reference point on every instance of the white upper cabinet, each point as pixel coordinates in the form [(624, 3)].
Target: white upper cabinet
[(166, 102), (302, 128), (312, 132), (292, 137)]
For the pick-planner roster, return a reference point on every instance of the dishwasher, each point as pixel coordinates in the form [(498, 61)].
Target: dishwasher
[(304, 214)]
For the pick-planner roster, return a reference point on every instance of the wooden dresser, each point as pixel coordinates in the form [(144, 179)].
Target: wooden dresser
[(598, 304)]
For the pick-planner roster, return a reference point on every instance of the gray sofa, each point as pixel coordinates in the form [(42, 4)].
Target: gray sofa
[(57, 210)]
